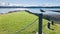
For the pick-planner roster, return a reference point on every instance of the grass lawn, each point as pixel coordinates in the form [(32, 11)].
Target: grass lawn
[(45, 30), (14, 23)]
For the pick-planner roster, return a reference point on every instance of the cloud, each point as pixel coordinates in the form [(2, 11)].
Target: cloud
[(2, 3), (49, 4), (42, 4), (11, 4)]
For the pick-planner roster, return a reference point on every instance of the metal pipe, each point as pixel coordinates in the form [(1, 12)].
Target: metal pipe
[(40, 24)]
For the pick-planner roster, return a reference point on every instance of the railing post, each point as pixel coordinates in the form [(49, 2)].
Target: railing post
[(40, 24)]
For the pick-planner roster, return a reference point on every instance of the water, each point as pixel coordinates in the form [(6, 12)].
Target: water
[(36, 10), (6, 10)]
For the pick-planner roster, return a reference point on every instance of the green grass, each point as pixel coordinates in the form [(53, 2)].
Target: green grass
[(56, 28), (11, 23)]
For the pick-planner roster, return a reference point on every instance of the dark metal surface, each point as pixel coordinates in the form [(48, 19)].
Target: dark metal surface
[(40, 24)]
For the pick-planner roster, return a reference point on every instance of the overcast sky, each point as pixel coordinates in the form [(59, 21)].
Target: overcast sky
[(33, 2)]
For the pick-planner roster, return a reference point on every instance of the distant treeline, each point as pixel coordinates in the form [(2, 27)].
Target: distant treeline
[(30, 7)]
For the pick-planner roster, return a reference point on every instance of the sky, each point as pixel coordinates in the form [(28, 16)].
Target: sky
[(33, 2)]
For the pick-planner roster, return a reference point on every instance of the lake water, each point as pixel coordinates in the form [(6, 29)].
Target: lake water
[(36, 10)]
